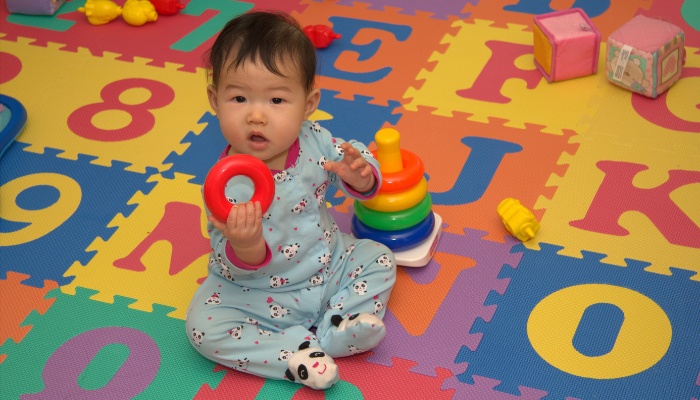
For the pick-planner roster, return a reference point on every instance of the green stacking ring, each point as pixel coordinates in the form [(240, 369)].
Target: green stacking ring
[(394, 220)]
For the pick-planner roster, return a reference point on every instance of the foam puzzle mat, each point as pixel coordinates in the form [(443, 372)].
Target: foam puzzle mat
[(103, 238)]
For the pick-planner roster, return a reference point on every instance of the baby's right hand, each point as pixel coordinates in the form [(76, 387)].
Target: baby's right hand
[(243, 227)]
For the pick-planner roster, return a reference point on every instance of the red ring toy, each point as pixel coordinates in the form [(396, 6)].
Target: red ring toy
[(406, 178), (227, 168)]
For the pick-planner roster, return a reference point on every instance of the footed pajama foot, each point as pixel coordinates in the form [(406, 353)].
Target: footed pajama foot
[(355, 334), (312, 367)]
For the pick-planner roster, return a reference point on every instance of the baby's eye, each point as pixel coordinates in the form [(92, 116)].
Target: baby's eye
[(239, 99), (277, 100)]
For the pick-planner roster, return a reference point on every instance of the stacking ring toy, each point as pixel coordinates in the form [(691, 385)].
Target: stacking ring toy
[(411, 173), (390, 202), (394, 221), (396, 240), (227, 168)]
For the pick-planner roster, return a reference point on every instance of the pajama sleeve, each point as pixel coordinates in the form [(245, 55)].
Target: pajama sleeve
[(331, 147)]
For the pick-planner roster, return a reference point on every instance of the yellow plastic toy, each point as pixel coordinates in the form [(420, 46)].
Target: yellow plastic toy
[(389, 150), (100, 12), (138, 12), (518, 220)]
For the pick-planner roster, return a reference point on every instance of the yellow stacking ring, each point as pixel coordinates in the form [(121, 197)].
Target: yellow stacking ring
[(394, 221), (390, 202)]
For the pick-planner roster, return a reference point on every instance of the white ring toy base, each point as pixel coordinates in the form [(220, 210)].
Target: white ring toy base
[(421, 255)]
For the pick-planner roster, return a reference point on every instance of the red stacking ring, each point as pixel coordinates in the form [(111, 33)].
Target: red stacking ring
[(227, 168)]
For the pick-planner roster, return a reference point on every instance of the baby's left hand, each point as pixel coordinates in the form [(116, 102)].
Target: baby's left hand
[(354, 170)]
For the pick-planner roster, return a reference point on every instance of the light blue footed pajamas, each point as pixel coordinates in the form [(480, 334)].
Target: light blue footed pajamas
[(254, 318)]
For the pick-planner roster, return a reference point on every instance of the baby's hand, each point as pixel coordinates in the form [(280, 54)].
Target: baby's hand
[(243, 229), (354, 170)]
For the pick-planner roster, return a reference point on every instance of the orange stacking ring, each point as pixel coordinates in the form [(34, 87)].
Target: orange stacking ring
[(390, 202), (407, 177)]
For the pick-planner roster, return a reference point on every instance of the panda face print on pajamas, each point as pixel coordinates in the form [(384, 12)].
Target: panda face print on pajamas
[(285, 355), (281, 176), (348, 251), (263, 332), (278, 281), (213, 299), (241, 364), (277, 311), (360, 287), (378, 305), (356, 272), (315, 280), (325, 259), (385, 261), (197, 337), (321, 193), (236, 332), (298, 208), (289, 250)]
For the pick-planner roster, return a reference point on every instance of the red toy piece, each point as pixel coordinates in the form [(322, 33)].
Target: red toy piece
[(167, 7), (321, 35), (227, 168)]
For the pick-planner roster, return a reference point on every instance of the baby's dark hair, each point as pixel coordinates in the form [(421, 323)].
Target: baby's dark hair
[(267, 36)]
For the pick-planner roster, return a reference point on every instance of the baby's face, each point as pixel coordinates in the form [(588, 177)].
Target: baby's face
[(260, 113)]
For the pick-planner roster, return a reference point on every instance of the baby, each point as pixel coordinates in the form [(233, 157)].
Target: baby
[(286, 290)]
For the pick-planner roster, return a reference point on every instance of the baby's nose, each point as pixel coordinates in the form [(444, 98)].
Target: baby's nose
[(256, 116)]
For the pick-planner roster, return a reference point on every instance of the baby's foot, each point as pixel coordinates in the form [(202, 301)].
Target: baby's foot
[(355, 334), (312, 367)]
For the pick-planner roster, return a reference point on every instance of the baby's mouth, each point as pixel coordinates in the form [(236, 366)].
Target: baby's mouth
[(257, 138)]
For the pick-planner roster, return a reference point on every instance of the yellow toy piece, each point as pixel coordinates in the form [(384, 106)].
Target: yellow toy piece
[(518, 220), (138, 12), (100, 12), (392, 202), (388, 150)]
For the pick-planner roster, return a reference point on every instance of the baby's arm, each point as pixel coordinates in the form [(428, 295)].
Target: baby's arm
[(243, 230)]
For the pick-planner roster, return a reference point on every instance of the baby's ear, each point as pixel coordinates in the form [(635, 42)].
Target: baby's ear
[(289, 375), (212, 95), (312, 101)]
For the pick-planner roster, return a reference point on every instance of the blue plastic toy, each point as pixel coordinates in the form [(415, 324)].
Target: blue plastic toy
[(13, 117), (400, 240)]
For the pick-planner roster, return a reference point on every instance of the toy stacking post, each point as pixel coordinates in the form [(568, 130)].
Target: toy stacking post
[(400, 215), (389, 150)]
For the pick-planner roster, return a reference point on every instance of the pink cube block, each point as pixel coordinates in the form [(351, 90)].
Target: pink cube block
[(645, 55), (566, 44), (33, 7)]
